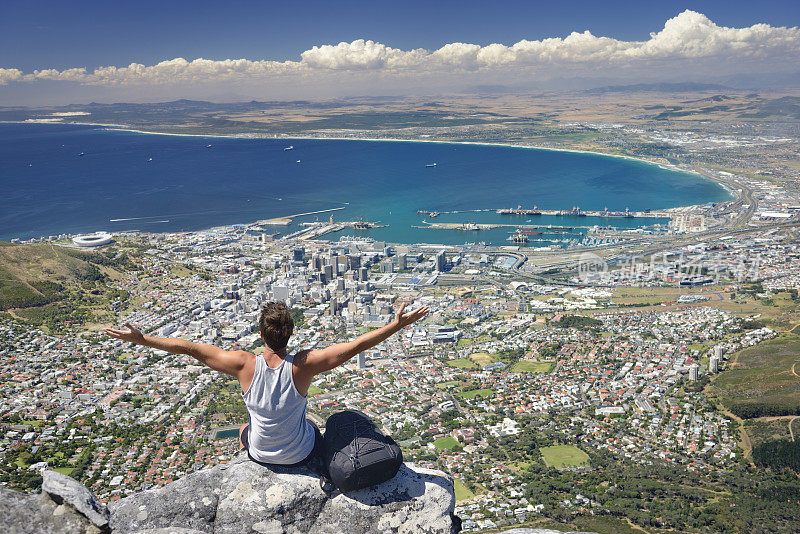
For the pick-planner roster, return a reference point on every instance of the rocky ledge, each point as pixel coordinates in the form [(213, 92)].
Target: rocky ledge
[(239, 497)]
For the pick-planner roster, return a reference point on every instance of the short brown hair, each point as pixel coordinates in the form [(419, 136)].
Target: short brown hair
[(276, 325)]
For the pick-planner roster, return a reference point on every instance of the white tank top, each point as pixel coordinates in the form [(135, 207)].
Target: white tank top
[(279, 432)]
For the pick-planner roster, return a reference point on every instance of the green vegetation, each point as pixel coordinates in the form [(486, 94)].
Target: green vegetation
[(475, 393), (463, 493), (57, 287), (313, 390), (226, 400), (63, 470), (481, 358), (559, 456), (446, 443), (578, 321), (759, 382), (462, 363), (298, 317), (533, 367), (778, 454)]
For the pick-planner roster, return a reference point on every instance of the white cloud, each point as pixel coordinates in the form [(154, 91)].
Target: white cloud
[(688, 41)]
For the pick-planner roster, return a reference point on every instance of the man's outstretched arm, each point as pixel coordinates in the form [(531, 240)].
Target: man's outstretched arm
[(314, 362), (230, 362)]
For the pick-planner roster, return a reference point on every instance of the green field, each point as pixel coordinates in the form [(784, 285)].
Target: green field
[(482, 358), (463, 493), (462, 363), (313, 390), (533, 367), (446, 443), (475, 393), (559, 456), (63, 470)]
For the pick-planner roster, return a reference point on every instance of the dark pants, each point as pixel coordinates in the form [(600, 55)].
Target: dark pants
[(315, 459)]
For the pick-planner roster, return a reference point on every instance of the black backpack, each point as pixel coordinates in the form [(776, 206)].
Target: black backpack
[(357, 454)]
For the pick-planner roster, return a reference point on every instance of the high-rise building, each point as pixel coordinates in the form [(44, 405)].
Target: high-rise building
[(341, 265), (298, 254), (718, 352), (363, 274), (713, 364), (694, 372), (362, 360), (402, 263), (441, 261), (280, 292)]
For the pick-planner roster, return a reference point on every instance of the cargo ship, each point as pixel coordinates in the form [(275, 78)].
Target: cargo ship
[(519, 210), (518, 237)]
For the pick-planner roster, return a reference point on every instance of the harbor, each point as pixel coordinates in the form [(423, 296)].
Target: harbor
[(577, 232)]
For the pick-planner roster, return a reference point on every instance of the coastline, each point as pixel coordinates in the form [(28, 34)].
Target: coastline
[(125, 128), (256, 136), (668, 166), (665, 166)]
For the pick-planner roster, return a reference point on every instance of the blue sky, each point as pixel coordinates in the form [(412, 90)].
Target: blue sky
[(38, 34), (60, 51)]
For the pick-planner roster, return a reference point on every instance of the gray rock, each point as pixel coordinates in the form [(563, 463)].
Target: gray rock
[(169, 530), (67, 490), (190, 502), (22, 513), (241, 497), (258, 499), (540, 531)]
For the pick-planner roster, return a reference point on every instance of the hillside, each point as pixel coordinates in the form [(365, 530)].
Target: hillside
[(53, 286)]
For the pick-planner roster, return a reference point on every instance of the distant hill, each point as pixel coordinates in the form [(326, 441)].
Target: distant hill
[(685, 87)]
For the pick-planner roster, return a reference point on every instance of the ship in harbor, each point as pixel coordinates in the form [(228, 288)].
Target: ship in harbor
[(519, 210), (518, 237), (433, 214), (429, 165)]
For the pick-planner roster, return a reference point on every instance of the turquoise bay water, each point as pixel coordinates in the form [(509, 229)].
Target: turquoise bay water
[(160, 183)]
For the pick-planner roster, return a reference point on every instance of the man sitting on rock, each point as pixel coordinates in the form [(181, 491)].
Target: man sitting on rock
[(275, 384)]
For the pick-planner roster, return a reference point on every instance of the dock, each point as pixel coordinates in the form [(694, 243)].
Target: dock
[(490, 226), (286, 220), (313, 230), (577, 212)]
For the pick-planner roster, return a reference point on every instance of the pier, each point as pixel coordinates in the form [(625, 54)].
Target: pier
[(490, 226), (286, 220), (314, 230), (577, 212)]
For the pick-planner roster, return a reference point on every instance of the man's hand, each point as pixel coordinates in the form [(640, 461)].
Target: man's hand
[(132, 334), (401, 320)]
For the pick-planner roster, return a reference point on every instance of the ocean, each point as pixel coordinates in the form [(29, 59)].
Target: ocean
[(59, 178)]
